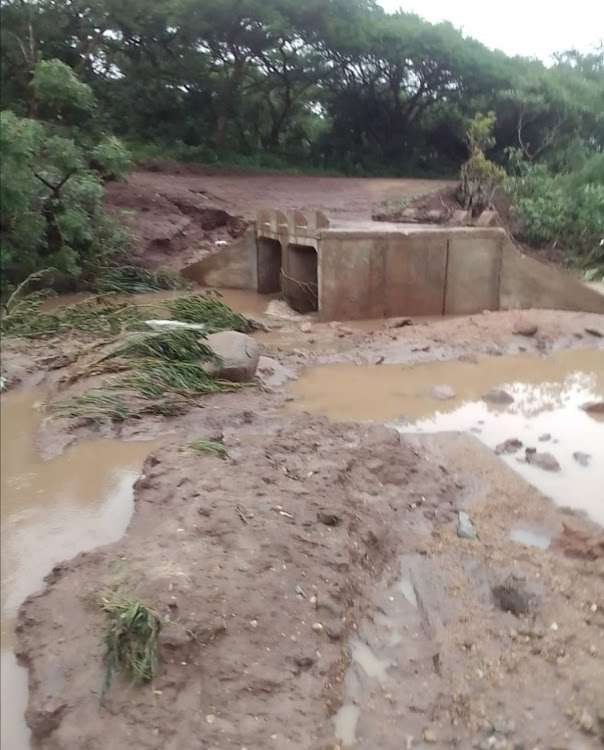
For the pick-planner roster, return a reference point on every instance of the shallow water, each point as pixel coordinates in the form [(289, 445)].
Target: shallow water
[(548, 392), (51, 511)]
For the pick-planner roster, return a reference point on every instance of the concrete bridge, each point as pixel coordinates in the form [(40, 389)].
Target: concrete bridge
[(349, 271)]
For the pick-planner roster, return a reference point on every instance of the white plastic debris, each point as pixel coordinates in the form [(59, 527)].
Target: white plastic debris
[(171, 325)]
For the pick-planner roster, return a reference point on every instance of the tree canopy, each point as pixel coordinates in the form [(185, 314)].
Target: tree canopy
[(332, 83)]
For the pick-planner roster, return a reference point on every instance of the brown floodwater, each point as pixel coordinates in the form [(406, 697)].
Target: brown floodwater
[(548, 393), (244, 301), (51, 511)]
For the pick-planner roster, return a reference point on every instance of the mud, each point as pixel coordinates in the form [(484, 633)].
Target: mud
[(51, 510), (545, 396), (326, 597)]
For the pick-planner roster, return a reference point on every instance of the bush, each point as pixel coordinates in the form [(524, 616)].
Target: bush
[(51, 185), (480, 177), (565, 210)]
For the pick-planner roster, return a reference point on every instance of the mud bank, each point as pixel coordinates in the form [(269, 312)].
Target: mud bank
[(277, 557), (326, 598)]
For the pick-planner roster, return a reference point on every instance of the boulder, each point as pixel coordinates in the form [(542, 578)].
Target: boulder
[(239, 354), (272, 373)]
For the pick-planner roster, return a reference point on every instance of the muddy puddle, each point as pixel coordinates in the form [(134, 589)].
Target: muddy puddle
[(546, 414), (51, 511)]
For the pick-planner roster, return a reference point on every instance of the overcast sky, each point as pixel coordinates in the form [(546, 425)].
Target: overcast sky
[(532, 28)]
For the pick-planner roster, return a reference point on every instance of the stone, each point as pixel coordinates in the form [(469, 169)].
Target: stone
[(441, 392), (525, 329), (306, 327), (545, 437), (239, 353), (429, 736), (595, 332), (465, 529), (487, 219), (498, 396), (511, 445), (545, 461), (272, 373), (586, 722), (398, 322), (513, 596), (582, 459), (594, 407)]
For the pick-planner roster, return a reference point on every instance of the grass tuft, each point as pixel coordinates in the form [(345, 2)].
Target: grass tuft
[(132, 630), (207, 308), (135, 280), (212, 446)]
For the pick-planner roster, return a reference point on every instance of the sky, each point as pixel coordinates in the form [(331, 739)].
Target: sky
[(531, 28)]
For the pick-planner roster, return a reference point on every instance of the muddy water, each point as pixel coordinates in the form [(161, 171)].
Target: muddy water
[(548, 393), (50, 511), (243, 300)]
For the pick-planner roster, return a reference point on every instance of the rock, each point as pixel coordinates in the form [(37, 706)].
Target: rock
[(545, 437), (487, 219), (328, 518), (441, 392), (594, 407), (465, 530), (595, 332), (498, 396), (273, 373), (545, 461), (398, 322), (513, 596), (525, 329), (346, 330), (306, 327), (511, 445), (239, 353), (429, 736), (582, 459), (586, 722), (277, 308)]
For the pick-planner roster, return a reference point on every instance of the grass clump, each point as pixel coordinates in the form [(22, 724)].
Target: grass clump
[(131, 636), (208, 308), (98, 315), (135, 280), (178, 345), (211, 446)]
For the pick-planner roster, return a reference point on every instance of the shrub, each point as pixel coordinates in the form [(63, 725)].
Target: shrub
[(480, 177), (51, 187)]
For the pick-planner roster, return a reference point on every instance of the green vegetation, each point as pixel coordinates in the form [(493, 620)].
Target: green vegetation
[(132, 630), (207, 308), (323, 85), (161, 373), (211, 446), (480, 177)]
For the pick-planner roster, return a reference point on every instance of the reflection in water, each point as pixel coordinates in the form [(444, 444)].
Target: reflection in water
[(51, 511), (548, 393), (530, 538)]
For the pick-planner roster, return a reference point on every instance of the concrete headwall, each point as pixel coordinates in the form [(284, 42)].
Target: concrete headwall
[(375, 270)]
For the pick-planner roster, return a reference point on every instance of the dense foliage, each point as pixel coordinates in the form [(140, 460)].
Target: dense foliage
[(319, 84)]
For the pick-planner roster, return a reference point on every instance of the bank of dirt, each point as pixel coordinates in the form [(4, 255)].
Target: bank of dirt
[(273, 558)]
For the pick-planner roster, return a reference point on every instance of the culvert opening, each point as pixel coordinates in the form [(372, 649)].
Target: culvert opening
[(269, 265), (299, 281)]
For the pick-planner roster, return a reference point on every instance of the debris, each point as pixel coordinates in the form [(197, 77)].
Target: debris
[(586, 722), (595, 332), (525, 329), (465, 530), (300, 591), (399, 322), (511, 445), (513, 596), (582, 459), (498, 396), (306, 327), (441, 392), (545, 461), (172, 325), (545, 437), (594, 407), (429, 736)]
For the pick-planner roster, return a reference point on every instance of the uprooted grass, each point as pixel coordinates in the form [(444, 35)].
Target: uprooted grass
[(211, 446), (100, 315), (162, 373), (208, 309), (135, 280), (131, 636)]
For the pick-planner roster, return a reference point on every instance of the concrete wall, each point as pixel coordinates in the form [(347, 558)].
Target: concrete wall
[(235, 267), (372, 270)]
